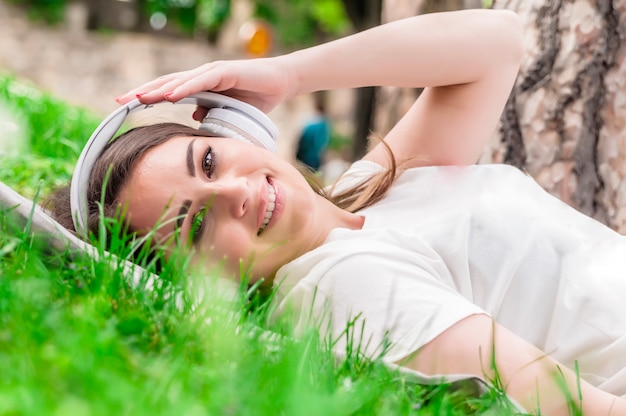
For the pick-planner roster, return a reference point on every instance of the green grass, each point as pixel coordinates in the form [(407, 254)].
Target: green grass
[(76, 338), (40, 137)]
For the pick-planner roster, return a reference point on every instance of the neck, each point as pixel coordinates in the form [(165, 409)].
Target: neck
[(350, 220), (326, 218), (331, 217)]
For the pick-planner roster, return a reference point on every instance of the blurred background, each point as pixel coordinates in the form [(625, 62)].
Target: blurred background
[(89, 51), (565, 121)]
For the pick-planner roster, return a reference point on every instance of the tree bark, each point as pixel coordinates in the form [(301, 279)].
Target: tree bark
[(564, 122)]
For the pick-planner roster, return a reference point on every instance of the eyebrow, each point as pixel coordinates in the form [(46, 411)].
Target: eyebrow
[(184, 209), (191, 168)]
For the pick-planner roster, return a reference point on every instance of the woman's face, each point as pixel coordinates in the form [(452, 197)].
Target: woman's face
[(229, 200)]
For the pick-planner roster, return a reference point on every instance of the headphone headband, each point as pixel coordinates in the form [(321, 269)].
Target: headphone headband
[(227, 117)]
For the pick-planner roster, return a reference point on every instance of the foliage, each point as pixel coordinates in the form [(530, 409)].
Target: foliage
[(302, 22), (211, 14), (78, 335), (339, 142), (191, 15), (49, 11), (46, 135), (295, 22)]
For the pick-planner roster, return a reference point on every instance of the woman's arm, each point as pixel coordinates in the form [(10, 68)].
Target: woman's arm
[(529, 376), (467, 60)]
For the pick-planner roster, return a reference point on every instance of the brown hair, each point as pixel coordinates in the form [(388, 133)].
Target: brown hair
[(114, 167), (115, 164), (370, 190)]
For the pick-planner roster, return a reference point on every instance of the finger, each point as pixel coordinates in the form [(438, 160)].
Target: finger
[(176, 91), (188, 87), (138, 91), (154, 90)]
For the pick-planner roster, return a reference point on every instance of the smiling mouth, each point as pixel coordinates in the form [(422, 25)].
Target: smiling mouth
[(269, 209)]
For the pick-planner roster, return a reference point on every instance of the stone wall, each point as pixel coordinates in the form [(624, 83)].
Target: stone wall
[(88, 68)]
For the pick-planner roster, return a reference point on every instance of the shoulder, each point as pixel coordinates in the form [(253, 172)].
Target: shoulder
[(357, 172), (392, 292), (365, 251)]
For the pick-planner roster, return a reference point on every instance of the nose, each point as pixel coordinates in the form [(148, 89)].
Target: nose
[(229, 194)]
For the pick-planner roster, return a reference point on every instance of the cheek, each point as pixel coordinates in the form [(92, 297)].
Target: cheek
[(227, 248)]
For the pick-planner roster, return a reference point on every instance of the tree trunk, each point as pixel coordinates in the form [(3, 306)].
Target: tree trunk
[(565, 120)]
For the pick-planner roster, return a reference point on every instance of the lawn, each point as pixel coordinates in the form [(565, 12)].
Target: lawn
[(77, 337)]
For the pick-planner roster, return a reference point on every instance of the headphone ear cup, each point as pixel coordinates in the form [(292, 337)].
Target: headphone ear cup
[(216, 128), (232, 123)]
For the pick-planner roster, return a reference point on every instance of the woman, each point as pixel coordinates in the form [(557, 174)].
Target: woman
[(456, 266)]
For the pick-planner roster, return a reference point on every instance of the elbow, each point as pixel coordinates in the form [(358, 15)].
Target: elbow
[(510, 34)]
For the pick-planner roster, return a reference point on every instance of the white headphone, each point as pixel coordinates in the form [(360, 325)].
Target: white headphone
[(227, 117)]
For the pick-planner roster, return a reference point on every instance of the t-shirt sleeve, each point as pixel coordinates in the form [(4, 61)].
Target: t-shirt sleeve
[(358, 172), (387, 302)]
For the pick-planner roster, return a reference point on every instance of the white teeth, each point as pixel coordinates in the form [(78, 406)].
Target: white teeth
[(269, 210)]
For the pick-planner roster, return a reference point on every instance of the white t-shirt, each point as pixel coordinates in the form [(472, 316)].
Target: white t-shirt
[(449, 242)]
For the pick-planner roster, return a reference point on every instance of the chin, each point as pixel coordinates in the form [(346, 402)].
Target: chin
[(250, 275)]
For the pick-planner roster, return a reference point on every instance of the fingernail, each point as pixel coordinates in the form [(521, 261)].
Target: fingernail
[(167, 94)]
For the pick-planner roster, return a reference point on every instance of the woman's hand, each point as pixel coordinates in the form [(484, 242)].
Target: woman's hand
[(264, 83)]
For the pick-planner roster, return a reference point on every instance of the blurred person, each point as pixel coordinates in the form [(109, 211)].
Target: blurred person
[(314, 137)]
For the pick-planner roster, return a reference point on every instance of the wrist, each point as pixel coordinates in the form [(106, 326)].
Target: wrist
[(289, 68)]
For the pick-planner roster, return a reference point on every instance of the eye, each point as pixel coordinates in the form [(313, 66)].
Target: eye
[(208, 162)]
